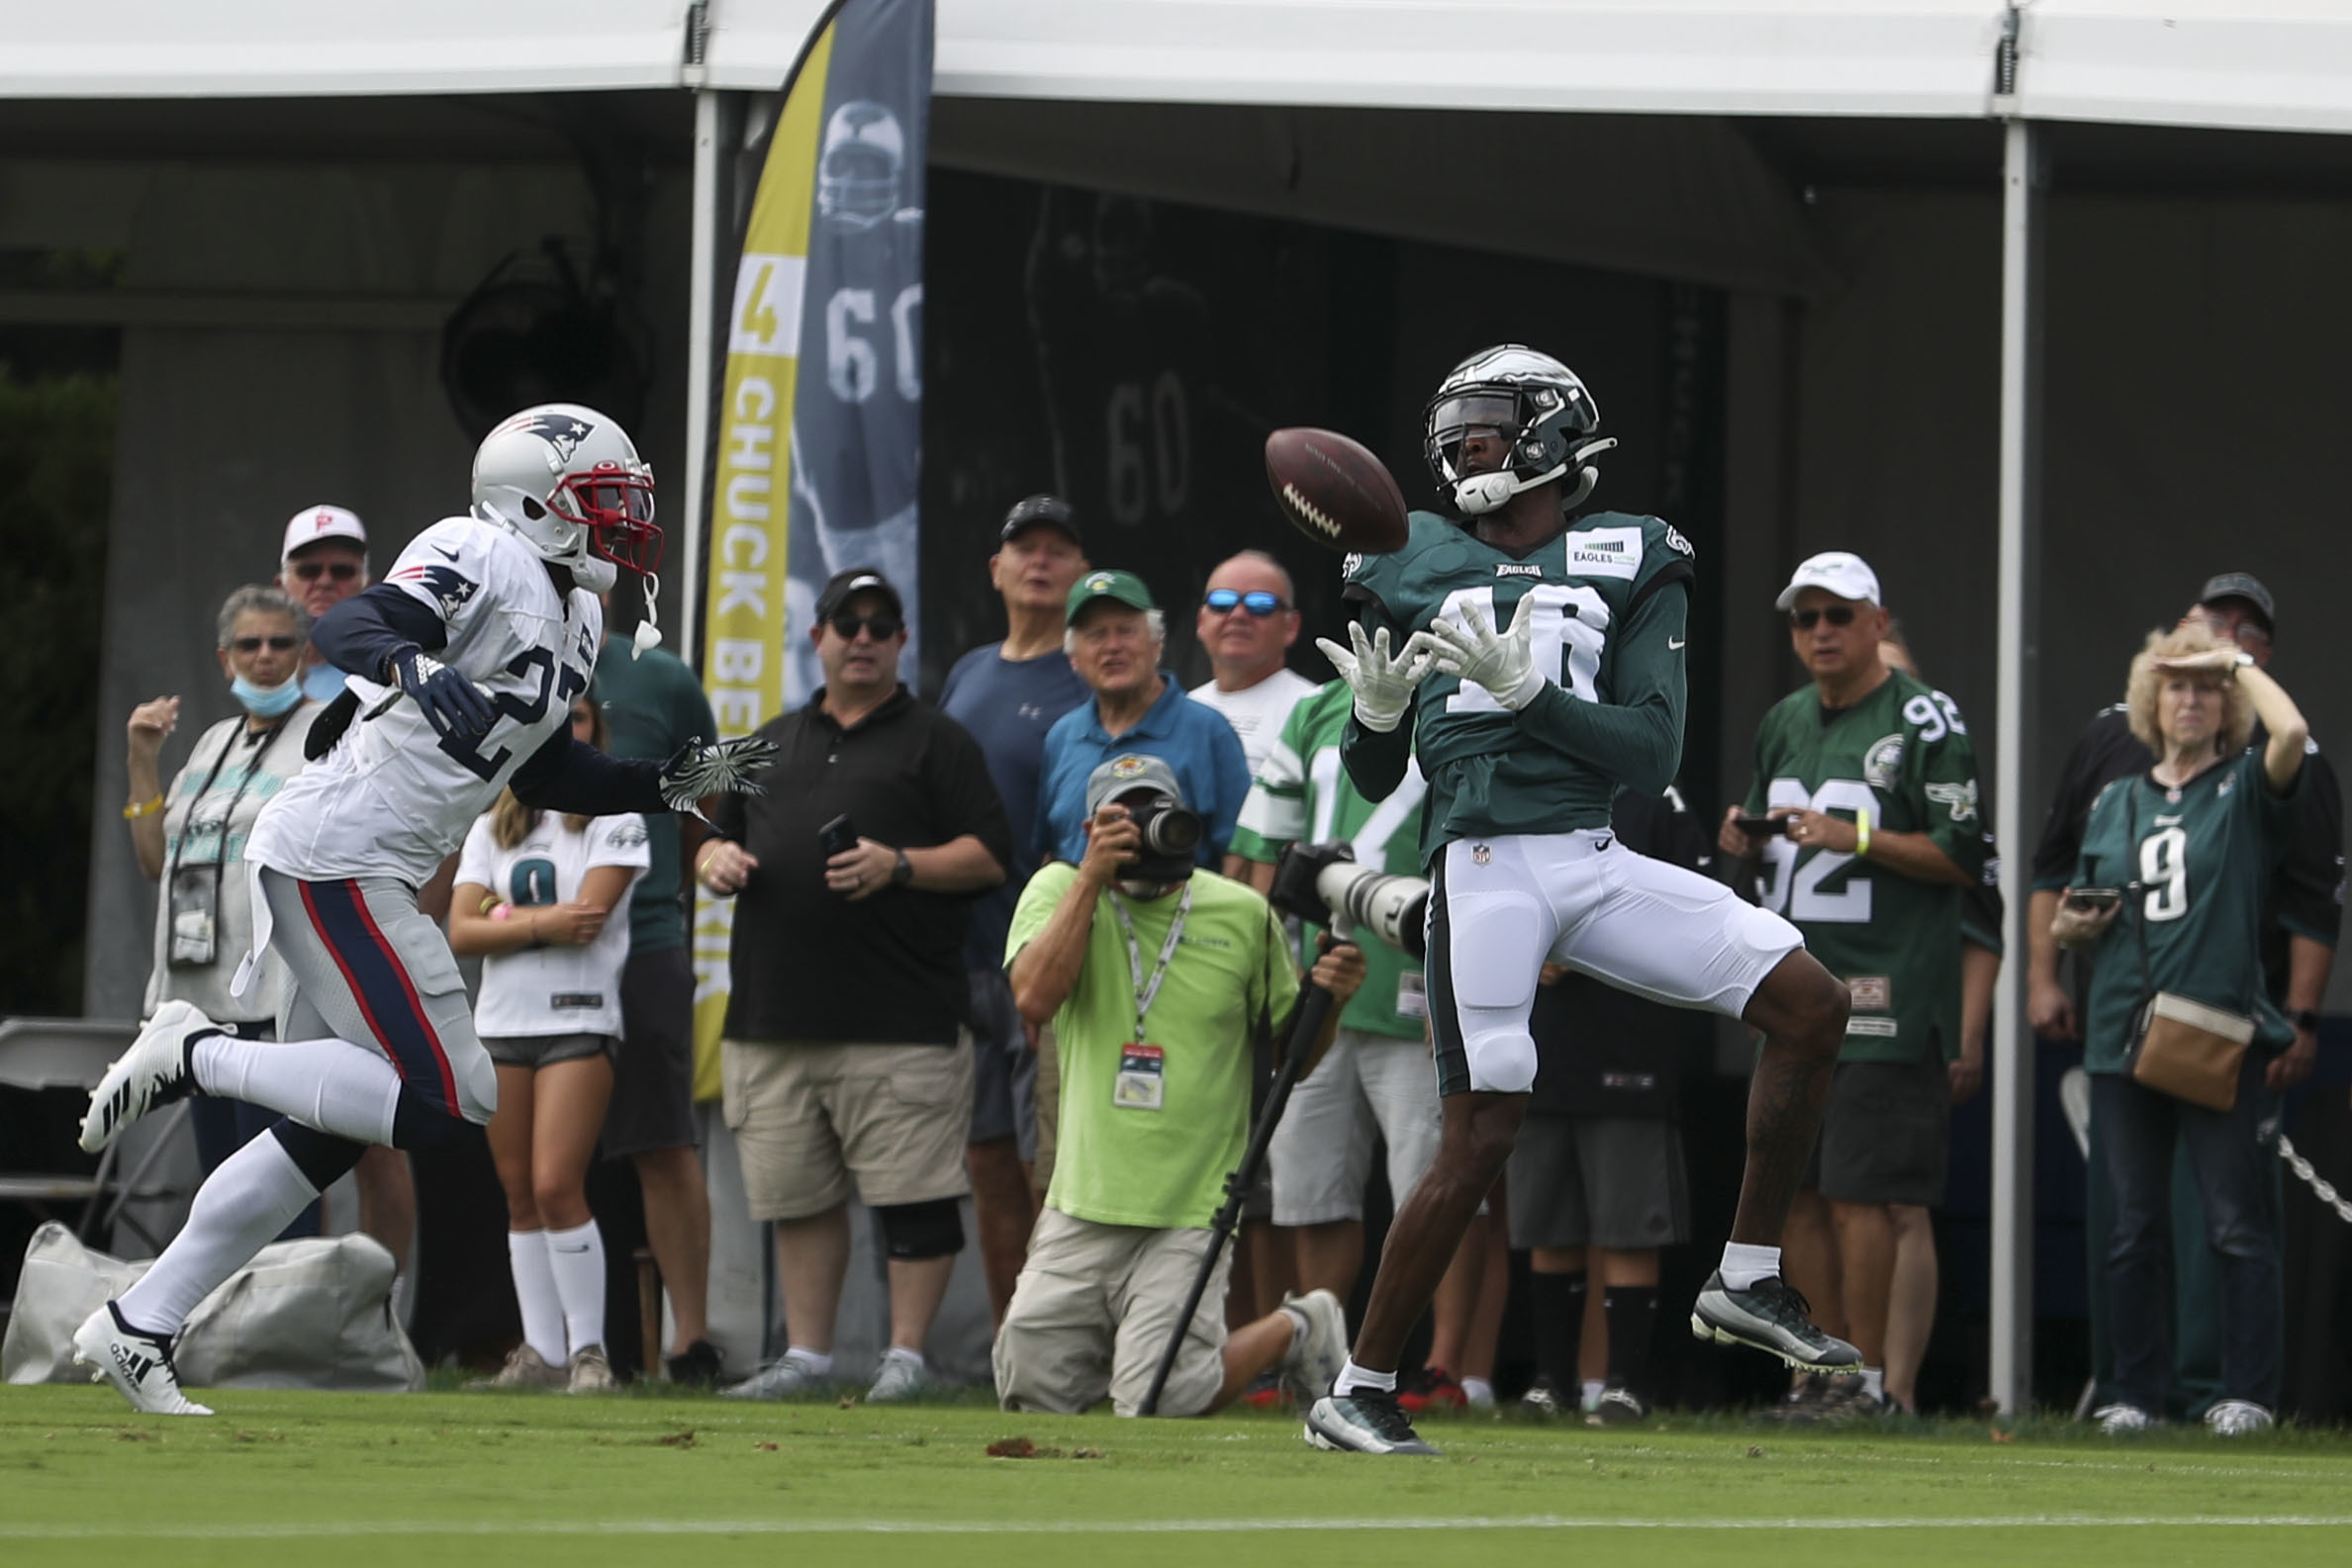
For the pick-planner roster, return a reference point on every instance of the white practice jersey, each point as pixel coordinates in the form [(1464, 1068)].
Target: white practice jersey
[(394, 797), (554, 990)]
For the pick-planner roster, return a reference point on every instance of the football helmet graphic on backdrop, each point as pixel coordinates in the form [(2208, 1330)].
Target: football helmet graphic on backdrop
[(1538, 404), (570, 482), (861, 171)]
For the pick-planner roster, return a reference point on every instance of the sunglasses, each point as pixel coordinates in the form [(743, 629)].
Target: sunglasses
[(882, 627), (1834, 614), (277, 644), (340, 571), (1257, 601)]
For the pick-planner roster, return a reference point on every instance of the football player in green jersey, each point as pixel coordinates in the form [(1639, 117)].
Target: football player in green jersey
[(1525, 734)]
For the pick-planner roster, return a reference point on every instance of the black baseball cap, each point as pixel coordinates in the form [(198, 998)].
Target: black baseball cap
[(1051, 510), (2245, 586), (856, 580)]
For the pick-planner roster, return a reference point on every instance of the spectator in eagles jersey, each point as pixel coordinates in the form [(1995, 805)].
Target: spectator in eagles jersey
[(380, 1044), (1863, 813), (1538, 659), (544, 900), (2188, 846)]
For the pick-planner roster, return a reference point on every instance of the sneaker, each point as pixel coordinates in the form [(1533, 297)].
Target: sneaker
[(139, 1364), (154, 1072), (525, 1370), (1432, 1391), (1318, 1350), (2236, 1418), (1265, 1390), (1768, 1315), (588, 1372), (1364, 1422), (786, 1379), (1619, 1407), (696, 1366), (899, 1379), (2117, 1420), (1544, 1397)]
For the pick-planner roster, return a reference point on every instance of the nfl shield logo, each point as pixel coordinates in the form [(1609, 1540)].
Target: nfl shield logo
[(1480, 855)]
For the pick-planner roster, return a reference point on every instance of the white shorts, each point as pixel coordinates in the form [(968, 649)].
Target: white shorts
[(1322, 1151), (1502, 906)]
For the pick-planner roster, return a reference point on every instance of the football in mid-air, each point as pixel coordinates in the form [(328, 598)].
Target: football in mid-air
[(1334, 492)]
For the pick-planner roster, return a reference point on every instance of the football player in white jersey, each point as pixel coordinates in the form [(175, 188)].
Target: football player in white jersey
[(466, 657)]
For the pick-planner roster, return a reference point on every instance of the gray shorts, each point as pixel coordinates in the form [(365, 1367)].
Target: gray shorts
[(1598, 1181), (545, 1050), (1886, 1133), (1004, 1067), (653, 1080)]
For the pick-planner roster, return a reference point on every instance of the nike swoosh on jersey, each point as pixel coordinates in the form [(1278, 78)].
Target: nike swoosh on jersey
[(451, 554), (1675, 642)]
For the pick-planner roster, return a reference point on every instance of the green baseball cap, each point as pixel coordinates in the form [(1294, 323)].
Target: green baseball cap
[(1125, 587)]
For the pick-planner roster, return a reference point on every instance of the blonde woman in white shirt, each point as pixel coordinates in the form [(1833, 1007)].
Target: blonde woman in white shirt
[(543, 898)]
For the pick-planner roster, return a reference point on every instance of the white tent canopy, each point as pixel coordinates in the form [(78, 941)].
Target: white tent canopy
[(2244, 64)]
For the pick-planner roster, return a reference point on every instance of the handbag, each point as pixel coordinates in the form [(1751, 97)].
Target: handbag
[(2182, 1047)]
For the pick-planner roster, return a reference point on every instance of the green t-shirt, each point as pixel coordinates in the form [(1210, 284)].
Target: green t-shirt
[(2193, 864), (1302, 796), (654, 705), (1611, 601), (1902, 754), (1120, 1163)]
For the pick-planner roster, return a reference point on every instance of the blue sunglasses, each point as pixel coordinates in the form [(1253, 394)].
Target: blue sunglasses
[(1257, 601)]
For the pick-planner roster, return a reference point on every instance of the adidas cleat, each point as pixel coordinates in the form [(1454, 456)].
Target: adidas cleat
[(139, 1364), (1363, 1422), (1769, 1316), (154, 1071)]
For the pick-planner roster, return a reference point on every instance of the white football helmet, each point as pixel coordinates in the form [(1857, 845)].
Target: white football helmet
[(569, 482), (864, 160)]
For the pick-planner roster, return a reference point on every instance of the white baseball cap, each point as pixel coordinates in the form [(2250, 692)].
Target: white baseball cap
[(1840, 572), (313, 523)]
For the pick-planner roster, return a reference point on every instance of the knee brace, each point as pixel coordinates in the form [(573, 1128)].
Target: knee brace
[(916, 1231), (322, 1158), (417, 1122)]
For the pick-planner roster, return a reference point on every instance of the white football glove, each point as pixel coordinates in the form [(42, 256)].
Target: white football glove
[(1504, 662), (1383, 684)]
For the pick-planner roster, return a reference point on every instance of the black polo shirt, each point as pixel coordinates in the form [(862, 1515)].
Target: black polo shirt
[(808, 964)]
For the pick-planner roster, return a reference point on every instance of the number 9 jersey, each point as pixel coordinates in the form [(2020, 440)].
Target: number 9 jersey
[(395, 797), (1611, 605)]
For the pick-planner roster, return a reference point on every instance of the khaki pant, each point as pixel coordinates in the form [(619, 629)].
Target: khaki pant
[(809, 1117), (1091, 1316)]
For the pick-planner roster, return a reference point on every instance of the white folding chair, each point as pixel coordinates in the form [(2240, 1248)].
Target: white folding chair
[(73, 1054)]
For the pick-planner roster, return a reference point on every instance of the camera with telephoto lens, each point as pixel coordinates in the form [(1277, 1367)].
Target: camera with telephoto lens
[(1169, 839), (1321, 885)]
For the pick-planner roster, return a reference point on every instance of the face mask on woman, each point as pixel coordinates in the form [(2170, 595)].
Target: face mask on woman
[(267, 701)]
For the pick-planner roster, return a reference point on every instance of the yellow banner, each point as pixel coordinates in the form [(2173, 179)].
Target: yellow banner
[(743, 662)]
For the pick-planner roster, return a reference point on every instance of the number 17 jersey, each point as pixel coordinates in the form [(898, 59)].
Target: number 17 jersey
[(394, 797)]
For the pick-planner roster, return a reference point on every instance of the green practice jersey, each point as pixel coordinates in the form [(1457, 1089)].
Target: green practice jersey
[(1903, 755), (1611, 602), (1304, 796), (2193, 864)]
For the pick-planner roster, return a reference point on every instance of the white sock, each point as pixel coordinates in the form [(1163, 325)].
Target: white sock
[(1593, 1389), (575, 1258), (1480, 1393), (818, 1362), (899, 1353), (1874, 1381), (241, 1206), (332, 1085), (534, 1292), (1743, 1264), (1352, 1377)]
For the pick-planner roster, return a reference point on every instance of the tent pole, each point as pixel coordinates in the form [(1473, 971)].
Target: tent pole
[(2013, 1075), (700, 312)]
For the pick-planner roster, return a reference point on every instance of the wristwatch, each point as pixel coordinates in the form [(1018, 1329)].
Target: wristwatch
[(902, 872), (2304, 1018)]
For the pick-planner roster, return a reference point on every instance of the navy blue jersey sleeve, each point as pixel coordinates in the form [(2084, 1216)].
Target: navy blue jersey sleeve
[(569, 775), (361, 635)]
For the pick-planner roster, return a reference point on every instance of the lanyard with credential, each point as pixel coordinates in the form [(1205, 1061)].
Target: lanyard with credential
[(1145, 991)]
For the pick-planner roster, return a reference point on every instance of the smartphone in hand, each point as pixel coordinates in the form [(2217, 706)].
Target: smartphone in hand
[(837, 837), (1762, 827), (2093, 900)]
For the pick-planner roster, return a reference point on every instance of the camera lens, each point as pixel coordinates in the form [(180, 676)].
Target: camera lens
[(1170, 830)]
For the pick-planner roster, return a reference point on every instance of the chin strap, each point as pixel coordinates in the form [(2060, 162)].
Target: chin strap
[(648, 634), (1484, 493)]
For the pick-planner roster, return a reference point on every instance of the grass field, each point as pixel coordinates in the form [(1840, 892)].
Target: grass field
[(355, 1480)]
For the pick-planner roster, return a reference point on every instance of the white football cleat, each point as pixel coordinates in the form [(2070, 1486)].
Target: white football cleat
[(154, 1071), (138, 1364)]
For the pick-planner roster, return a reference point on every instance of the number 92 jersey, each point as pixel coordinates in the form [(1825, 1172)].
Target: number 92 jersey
[(1611, 605), (1902, 754), (394, 798)]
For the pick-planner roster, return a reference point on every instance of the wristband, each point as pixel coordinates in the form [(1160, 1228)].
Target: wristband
[(1861, 834), (140, 808)]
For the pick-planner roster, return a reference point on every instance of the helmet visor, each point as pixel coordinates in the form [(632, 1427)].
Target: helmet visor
[(1455, 417), (619, 511)]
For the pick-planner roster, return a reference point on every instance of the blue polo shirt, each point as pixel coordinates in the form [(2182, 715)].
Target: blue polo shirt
[(1009, 705), (1191, 737)]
